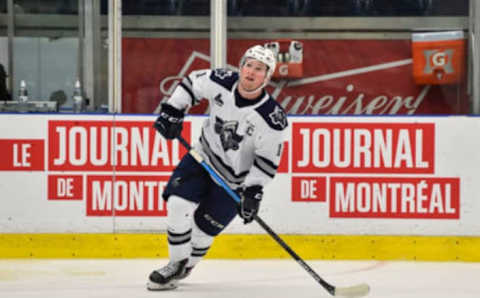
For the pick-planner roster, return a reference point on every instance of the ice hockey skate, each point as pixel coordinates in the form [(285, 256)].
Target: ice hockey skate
[(185, 273), (167, 277)]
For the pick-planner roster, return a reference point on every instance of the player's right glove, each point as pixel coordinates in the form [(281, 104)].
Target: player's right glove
[(170, 122), (250, 198)]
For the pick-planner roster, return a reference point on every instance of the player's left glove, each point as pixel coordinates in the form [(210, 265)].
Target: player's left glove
[(170, 122), (250, 198)]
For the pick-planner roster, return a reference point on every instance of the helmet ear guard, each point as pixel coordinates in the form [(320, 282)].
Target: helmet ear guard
[(264, 55)]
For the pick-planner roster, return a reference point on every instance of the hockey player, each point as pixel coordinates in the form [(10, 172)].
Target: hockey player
[(241, 140)]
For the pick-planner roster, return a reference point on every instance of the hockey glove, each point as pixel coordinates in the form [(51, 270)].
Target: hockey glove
[(170, 122), (250, 198)]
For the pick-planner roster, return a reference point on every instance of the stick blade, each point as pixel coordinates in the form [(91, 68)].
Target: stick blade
[(353, 291)]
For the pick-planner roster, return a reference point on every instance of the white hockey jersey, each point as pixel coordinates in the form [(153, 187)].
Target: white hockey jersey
[(242, 139)]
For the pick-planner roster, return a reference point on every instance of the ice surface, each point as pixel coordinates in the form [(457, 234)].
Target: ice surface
[(119, 278)]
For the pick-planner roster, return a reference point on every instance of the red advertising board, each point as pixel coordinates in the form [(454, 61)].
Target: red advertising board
[(363, 147), (22, 155), (326, 150), (340, 77), (65, 187), (123, 195), (108, 146), (386, 197)]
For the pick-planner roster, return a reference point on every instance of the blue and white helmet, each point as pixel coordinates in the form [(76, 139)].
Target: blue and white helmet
[(264, 55)]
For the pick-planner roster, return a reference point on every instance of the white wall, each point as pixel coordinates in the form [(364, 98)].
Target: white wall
[(431, 162)]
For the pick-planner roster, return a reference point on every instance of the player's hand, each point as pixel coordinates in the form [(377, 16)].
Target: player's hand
[(170, 122), (250, 198)]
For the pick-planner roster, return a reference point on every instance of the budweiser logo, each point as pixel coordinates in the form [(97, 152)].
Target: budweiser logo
[(308, 99), (352, 103)]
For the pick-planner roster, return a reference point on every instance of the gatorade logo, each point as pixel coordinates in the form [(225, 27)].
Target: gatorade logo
[(283, 70), (438, 59)]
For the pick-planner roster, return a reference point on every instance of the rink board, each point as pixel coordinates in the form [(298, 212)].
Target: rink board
[(347, 188), (246, 246)]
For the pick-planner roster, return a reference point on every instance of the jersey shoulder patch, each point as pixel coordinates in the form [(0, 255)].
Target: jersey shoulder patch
[(224, 77), (273, 114)]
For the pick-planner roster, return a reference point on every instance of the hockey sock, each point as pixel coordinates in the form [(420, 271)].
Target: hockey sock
[(179, 227), (201, 242)]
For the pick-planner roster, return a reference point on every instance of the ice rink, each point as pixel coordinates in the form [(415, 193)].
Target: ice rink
[(120, 278)]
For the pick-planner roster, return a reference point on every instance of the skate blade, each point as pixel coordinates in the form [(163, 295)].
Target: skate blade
[(153, 286)]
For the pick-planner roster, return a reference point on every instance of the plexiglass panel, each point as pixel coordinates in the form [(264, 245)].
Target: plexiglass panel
[(164, 40)]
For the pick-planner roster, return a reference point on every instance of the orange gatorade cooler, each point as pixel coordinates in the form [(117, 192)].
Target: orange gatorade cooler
[(438, 57), (289, 54)]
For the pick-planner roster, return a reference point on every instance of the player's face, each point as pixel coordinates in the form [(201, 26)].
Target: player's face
[(252, 74)]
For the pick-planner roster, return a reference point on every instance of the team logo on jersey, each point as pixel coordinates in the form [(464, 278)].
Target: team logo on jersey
[(222, 73), (278, 117), (218, 99), (227, 131)]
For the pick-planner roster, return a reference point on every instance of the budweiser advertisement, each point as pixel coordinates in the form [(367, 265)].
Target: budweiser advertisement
[(357, 175), (340, 77)]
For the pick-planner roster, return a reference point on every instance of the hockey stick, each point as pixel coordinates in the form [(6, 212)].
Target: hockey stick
[(353, 291)]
